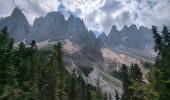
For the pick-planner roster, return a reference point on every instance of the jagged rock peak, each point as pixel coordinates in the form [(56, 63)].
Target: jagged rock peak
[(114, 28), (71, 18), (17, 12), (54, 14), (75, 18), (125, 27), (103, 35), (133, 26), (142, 27), (79, 23)]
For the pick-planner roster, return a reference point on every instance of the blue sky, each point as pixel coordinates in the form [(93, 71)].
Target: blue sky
[(98, 15)]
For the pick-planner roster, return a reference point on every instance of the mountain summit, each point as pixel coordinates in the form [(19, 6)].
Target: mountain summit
[(17, 24)]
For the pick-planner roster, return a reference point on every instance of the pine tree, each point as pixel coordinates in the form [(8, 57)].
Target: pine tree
[(79, 92), (124, 72), (166, 36), (59, 73), (117, 95), (8, 72), (34, 69), (160, 79), (125, 84), (135, 73), (110, 96), (97, 94), (72, 92), (158, 41)]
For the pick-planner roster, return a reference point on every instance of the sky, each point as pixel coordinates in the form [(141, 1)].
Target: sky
[(98, 15)]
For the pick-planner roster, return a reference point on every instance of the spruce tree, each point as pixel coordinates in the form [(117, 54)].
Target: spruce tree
[(8, 72), (34, 69), (116, 95), (59, 74), (125, 84), (135, 73), (160, 79)]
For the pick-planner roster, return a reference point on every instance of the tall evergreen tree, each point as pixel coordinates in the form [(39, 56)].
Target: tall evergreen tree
[(125, 84), (158, 41), (8, 71), (59, 73), (135, 73), (160, 79), (117, 95), (34, 69)]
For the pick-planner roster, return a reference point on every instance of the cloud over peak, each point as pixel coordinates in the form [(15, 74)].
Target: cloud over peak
[(98, 15)]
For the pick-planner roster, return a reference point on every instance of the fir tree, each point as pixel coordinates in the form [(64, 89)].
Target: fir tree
[(160, 74), (34, 69), (8, 72), (125, 84), (135, 73), (59, 73), (116, 95)]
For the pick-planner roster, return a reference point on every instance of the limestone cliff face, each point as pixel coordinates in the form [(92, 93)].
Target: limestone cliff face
[(18, 25), (130, 37)]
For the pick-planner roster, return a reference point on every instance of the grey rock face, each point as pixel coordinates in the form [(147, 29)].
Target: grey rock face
[(54, 26), (114, 37), (130, 37), (102, 39), (136, 38), (51, 26), (18, 25)]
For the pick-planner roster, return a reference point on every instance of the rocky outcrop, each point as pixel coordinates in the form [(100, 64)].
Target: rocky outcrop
[(114, 37), (130, 37), (17, 24)]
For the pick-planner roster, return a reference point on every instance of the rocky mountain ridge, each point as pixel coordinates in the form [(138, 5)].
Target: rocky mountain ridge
[(130, 37), (54, 26)]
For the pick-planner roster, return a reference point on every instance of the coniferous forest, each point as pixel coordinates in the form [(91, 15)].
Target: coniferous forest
[(27, 73)]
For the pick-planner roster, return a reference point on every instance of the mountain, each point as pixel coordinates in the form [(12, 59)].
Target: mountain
[(130, 37), (51, 26), (82, 50), (130, 40), (114, 37), (17, 24), (102, 38), (54, 26)]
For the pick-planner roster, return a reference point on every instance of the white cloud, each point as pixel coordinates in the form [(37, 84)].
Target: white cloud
[(37, 8), (6, 7), (97, 14)]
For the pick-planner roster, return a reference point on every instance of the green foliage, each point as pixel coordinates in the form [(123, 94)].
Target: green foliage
[(58, 70), (117, 95), (147, 65), (122, 74), (160, 76), (133, 86), (8, 72), (97, 94), (136, 73)]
